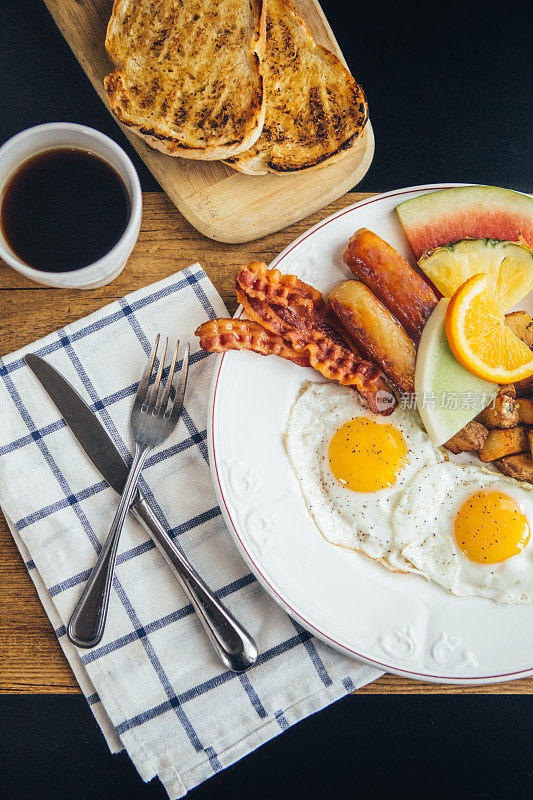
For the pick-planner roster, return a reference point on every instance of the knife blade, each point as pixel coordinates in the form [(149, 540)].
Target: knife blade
[(85, 425), (232, 643)]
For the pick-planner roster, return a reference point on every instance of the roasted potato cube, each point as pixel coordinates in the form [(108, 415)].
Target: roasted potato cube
[(502, 412), (377, 334), (524, 388), (508, 388), (522, 325), (471, 437), (525, 410), (504, 442), (519, 467), (530, 440)]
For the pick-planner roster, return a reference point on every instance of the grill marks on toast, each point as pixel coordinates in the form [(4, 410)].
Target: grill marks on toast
[(189, 76), (315, 109)]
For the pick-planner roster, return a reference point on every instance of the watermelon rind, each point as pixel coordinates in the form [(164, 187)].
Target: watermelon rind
[(466, 212)]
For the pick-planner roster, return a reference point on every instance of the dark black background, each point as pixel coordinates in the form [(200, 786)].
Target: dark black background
[(450, 90)]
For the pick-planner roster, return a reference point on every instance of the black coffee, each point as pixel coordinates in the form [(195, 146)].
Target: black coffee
[(63, 209)]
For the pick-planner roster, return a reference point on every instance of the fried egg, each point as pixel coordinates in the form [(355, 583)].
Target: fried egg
[(467, 529), (353, 466)]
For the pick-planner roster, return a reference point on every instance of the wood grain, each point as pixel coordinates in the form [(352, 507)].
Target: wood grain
[(220, 202), (31, 660)]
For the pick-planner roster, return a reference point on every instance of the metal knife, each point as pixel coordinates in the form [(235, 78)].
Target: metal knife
[(233, 644)]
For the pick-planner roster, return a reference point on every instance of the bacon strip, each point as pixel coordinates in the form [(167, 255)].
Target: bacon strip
[(340, 364), (290, 319), (270, 286), (332, 361), (219, 335), (327, 351), (281, 319), (263, 313)]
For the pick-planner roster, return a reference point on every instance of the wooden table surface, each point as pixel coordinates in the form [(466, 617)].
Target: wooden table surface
[(31, 660)]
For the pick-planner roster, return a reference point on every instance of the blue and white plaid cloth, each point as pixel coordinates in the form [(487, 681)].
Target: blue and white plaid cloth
[(154, 684)]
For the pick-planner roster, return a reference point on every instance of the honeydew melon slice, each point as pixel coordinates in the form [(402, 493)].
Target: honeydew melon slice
[(447, 395)]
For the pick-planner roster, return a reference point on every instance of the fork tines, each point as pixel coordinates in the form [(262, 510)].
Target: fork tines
[(156, 399)]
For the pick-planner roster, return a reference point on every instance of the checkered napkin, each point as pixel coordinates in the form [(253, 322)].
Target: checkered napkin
[(154, 684)]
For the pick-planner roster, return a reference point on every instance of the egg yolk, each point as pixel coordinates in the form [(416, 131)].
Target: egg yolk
[(366, 456), (491, 527)]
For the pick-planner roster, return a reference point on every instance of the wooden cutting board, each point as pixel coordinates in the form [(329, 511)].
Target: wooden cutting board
[(221, 203)]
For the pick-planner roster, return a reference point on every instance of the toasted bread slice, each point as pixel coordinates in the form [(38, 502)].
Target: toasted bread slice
[(189, 74), (315, 109)]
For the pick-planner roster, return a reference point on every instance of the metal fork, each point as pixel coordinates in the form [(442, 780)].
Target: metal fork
[(153, 418)]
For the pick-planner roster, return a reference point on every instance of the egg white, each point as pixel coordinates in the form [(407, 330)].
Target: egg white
[(424, 535), (356, 520)]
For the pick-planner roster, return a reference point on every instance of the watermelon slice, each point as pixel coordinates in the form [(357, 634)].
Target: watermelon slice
[(464, 212)]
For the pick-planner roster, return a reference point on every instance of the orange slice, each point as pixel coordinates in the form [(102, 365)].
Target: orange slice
[(479, 338)]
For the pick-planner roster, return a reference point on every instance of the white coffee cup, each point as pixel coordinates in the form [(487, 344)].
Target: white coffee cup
[(51, 136)]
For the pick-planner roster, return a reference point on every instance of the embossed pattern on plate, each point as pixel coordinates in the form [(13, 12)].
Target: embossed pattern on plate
[(400, 623)]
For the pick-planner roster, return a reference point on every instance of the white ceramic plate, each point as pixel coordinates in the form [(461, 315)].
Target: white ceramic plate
[(400, 623)]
